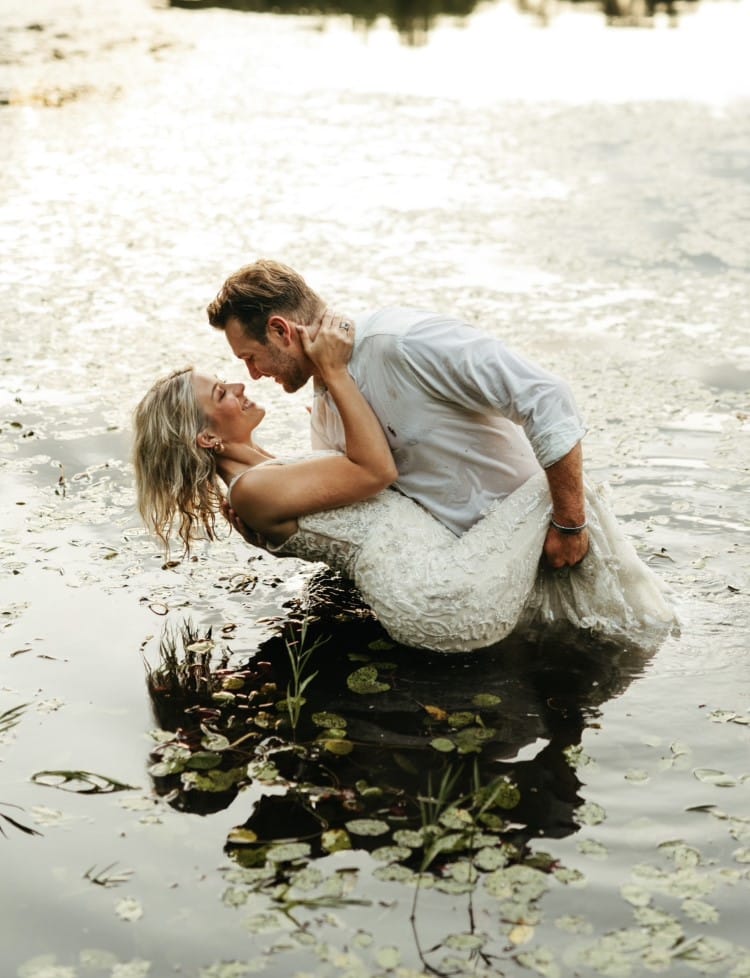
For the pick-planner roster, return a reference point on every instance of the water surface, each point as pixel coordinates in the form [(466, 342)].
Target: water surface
[(579, 189)]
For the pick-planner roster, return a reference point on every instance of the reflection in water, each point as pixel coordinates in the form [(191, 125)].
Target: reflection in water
[(413, 19), (371, 745)]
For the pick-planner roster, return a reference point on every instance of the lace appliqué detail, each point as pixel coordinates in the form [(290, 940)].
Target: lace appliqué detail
[(431, 589)]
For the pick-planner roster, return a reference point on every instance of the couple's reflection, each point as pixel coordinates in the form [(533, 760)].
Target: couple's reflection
[(350, 732)]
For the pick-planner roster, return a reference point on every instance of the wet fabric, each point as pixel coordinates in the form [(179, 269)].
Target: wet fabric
[(467, 419), (433, 590)]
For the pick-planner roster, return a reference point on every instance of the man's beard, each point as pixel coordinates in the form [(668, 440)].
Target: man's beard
[(288, 372)]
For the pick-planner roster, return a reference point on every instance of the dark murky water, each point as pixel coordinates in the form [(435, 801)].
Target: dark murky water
[(531, 178)]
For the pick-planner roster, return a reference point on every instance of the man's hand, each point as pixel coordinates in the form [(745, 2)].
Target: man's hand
[(330, 344), (248, 535), (564, 549)]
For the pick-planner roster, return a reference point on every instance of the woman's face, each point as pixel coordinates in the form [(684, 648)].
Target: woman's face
[(229, 414)]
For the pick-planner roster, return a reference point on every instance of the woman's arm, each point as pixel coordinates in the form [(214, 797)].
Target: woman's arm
[(269, 498)]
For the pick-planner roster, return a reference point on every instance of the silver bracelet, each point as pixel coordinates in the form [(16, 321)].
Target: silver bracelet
[(569, 530)]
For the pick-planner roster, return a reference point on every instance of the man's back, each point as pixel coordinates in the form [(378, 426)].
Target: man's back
[(452, 400)]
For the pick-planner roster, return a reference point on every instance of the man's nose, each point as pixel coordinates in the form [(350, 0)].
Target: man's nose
[(254, 373)]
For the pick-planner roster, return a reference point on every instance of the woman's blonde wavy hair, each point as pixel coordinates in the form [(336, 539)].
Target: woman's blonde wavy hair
[(176, 480)]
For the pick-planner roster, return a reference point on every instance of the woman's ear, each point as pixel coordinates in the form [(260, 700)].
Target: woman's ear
[(206, 440)]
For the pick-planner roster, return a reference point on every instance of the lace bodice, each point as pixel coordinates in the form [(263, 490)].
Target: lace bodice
[(432, 589)]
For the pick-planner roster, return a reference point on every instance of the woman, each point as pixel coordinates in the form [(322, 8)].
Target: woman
[(429, 588)]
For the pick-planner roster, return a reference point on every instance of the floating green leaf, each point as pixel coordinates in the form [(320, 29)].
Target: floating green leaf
[(329, 720), (388, 957), (700, 911), (486, 700), (465, 942), (391, 854), (506, 794), (239, 836), (129, 909), (365, 680), (367, 826), (203, 760), (574, 924), (212, 740), (592, 848), (442, 744), (490, 858), (590, 813), (396, 873), (289, 852), (637, 896), (213, 781), (338, 746), (542, 960), (463, 718), (380, 645), (408, 837), (335, 840), (470, 739)]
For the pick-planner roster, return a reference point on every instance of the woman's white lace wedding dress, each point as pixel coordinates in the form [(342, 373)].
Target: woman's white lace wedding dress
[(431, 589)]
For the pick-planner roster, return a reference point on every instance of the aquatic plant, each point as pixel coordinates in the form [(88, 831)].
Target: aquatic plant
[(9, 719), (299, 659), (14, 821)]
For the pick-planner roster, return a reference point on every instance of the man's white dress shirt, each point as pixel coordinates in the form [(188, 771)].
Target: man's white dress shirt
[(467, 419)]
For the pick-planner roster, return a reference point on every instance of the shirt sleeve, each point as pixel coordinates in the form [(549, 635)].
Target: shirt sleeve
[(460, 364)]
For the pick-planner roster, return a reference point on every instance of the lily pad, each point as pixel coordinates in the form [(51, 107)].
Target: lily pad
[(463, 718), (129, 909), (338, 746), (367, 826), (203, 760), (542, 960), (388, 957), (330, 721), (391, 854), (288, 852), (442, 744), (365, 680), (214, 780)]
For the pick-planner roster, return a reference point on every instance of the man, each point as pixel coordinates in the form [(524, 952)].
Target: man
[(468, 421)]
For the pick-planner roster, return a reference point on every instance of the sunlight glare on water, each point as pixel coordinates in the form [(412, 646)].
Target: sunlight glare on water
[(500, 52)]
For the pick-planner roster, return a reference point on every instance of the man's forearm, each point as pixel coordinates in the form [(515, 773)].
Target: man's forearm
[(565, 477)]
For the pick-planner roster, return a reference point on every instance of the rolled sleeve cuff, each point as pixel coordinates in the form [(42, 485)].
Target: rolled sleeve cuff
[(555, 443)]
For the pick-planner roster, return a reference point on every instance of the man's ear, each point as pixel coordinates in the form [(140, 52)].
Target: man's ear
[(281, 328)]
